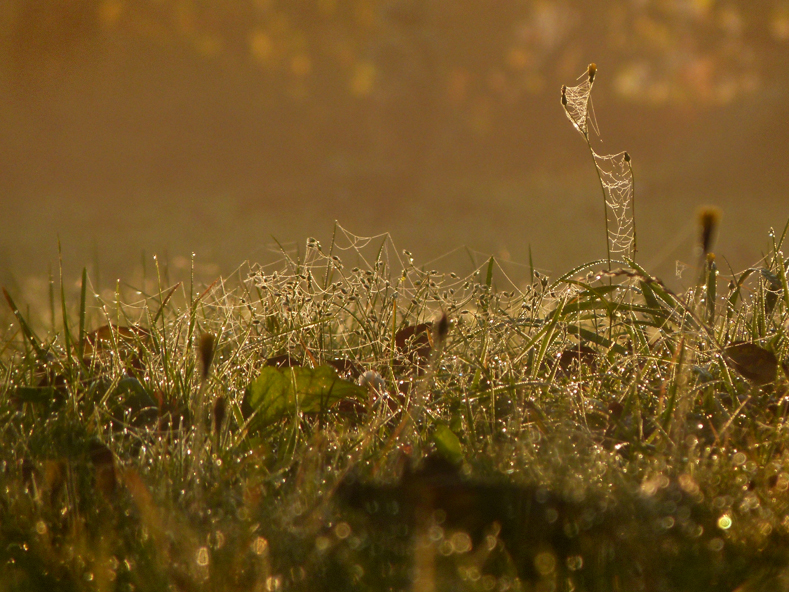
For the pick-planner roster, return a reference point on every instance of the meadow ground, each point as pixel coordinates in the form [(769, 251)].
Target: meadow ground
[(351, 420)]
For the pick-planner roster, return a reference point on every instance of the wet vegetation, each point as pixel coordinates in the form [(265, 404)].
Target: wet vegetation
[(348, 420)]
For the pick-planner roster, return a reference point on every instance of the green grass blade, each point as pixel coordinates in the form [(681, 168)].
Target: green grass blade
[(668, 413), (712, 296), (596, 338), (82, 306), (489, 275), (782, 275), (576, 270), (52, 300), (64, 311), (531, 267), (26, 330), (164, 300)]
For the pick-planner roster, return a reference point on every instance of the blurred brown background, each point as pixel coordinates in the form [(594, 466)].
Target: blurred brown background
[(135, 127)]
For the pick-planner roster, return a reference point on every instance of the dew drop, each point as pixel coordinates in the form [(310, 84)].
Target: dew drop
[(724, 522), (202, 556)]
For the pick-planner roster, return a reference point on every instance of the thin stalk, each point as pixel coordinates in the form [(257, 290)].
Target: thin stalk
[(632, 204)]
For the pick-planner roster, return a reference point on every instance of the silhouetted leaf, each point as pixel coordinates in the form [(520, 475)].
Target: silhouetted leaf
[(755, 363), (448, 444), (345, 368), (104, 462), (582, 354)]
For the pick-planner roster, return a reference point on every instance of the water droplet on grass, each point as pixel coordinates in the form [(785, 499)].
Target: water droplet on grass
[(202, 556), (725, 522)]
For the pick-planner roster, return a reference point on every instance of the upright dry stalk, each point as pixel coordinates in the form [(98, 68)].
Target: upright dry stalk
[(708, 218), (206, 352)]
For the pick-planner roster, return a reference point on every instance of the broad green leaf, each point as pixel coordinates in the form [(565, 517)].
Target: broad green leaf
[(448, 444), (278, 392)]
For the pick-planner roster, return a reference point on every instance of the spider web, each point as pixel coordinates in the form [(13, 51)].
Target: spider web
[(374, 287), (576, 101), (616, 175), (615, 171)]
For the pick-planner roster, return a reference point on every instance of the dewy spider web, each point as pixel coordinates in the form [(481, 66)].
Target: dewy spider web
[(575, 100), (349, 298), (616, 175), (614, 171)]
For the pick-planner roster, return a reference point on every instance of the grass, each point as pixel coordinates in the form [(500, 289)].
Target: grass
[(348, 420), (592, 432)]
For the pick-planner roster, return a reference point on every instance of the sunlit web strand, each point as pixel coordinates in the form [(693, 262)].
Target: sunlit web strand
[(617, 179), (576, 105)]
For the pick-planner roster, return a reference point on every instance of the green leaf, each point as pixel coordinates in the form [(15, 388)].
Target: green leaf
[(489, 276), (448, 444), (276, 392)]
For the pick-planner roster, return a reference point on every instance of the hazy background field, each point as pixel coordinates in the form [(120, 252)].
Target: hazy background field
[(137, 127)]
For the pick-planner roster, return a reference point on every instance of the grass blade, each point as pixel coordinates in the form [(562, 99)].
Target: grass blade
[(82, 304), (26, 330)]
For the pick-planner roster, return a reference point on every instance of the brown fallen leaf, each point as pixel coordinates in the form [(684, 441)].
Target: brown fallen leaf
[(581, 354), (414, 341), (757, 364)]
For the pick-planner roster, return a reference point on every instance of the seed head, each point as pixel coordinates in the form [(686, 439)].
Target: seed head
[(206, 353), (709, 218), (564, 95), (627, 157), (442, 328), (592, 72), (219, 413)]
